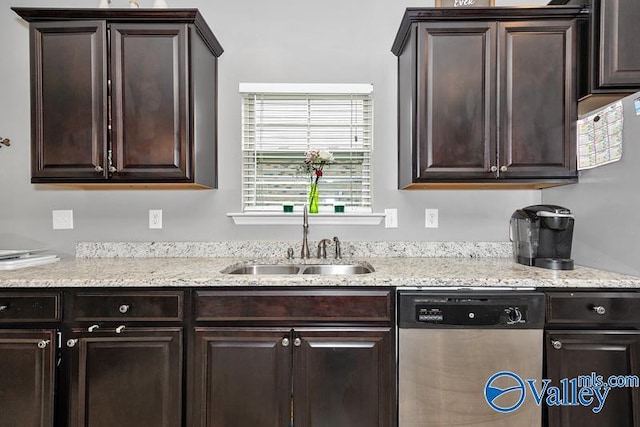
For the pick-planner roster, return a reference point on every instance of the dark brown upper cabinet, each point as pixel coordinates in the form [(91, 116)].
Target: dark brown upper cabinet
[(487, 97), (123, 97), (609, 44)]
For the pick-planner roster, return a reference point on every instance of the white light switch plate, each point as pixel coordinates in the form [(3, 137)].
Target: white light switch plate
[(431, 218), (155, 218), (391, 218), (62, 219)]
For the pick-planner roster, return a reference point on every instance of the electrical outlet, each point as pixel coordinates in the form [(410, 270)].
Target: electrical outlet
[(431, 218), (155, 218), (391, 218), (62, 220)]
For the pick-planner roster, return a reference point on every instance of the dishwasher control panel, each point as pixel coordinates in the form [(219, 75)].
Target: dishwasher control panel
[(463, 314), (437, 310)]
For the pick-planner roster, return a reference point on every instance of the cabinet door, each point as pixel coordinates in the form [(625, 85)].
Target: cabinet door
[(68, 101), (573, 353), (619, 66), (27, 369), (537, 102), (343, 378), (127, 379), (455, 113), (150, 136), (241, 377)]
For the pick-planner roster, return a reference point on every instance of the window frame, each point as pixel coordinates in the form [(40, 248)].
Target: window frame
[(309, 89)]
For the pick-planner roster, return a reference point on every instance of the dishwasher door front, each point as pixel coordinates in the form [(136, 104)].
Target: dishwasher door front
[(443, 373)]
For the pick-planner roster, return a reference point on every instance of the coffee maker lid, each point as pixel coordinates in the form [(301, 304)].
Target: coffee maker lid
[(554, 211)]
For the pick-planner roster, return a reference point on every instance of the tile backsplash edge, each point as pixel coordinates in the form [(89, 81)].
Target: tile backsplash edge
[(265, 249)]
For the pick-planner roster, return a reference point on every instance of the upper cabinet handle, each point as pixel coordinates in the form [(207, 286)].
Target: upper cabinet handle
[(99, 168), (493, 169), (503, 168)]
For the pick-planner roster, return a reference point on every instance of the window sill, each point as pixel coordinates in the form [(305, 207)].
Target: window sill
[(295, 218)]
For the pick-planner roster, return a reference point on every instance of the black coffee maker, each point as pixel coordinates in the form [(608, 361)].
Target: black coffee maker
[(542, 236)]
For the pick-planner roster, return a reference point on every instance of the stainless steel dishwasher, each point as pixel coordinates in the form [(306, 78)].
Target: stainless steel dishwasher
[(451, 345)]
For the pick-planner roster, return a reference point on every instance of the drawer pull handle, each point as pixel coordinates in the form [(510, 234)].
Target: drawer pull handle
[(119, 329), (556, 344), (43, 344), (72, 342), (3, 307), (285, 342), (297, 342), (123, 308), (599, 309), (93, 328)]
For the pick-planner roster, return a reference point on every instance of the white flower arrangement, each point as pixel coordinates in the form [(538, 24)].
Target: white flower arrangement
[(315, 161)]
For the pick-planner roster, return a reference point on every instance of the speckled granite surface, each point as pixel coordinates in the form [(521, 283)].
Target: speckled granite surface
[(253, 249), (389, 271)]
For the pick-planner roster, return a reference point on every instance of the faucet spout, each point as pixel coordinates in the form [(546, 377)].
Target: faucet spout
[(304, 253)]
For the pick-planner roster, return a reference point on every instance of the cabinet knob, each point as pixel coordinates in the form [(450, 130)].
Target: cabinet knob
[(43, 343), (3, 307), (72, 342), (93, 328), (119, 329), (123, 308), (493, 169), (297, 342), (285, 342), (113, 169), (99, 169), (503, 168), (556, 344), (599, 310)]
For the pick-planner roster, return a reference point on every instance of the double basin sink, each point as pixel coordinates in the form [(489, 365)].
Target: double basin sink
[(257, 268)]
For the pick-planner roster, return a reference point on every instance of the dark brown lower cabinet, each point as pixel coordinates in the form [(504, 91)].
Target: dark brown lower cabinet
[(241, 377), (341, 377), (27, 377), (570, 354), (305, 377), (126, 377)]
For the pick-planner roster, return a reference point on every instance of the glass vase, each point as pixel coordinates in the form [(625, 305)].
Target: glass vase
[(313, 198)]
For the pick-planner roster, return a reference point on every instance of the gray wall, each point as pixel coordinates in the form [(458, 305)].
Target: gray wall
[(343, 41), (607, 228)]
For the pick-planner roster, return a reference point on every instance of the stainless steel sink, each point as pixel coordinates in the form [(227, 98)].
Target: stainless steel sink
[(265, 269), (326, 269), (336, 269)]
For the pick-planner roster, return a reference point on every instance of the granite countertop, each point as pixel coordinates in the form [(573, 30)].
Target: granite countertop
[(389, 271)]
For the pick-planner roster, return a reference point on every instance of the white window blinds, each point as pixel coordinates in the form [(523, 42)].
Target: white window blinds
[(282, 122)]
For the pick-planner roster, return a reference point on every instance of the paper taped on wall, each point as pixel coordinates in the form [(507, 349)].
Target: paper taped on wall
[(600, 137)]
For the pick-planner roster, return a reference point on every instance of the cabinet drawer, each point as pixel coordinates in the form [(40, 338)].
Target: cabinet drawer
[(125, 306), (29, 307), (593, 307), (290, 305)]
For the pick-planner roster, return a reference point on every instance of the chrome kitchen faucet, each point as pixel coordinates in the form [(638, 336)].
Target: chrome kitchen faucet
[(304, 253)]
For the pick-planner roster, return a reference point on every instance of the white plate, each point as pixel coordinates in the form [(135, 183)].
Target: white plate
[(27, 261), (7, 254)]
